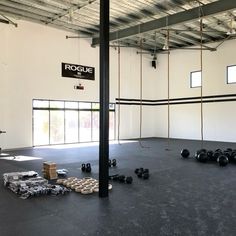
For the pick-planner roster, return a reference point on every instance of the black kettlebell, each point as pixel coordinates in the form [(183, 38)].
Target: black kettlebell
[(222, 160), (122, 178), (140, 174), (83, 168), (109, 163), (114, 162), (216, 154), (202, 157), (185, 153), (210, 155), (88, 168), (145, 175)]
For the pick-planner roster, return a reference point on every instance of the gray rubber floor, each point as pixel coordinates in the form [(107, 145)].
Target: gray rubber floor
[(182, 197)]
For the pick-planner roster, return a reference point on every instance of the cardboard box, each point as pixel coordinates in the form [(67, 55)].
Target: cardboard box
[(50, 177), (49, 165)]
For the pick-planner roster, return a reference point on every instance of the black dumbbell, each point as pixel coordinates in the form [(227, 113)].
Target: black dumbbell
[(83, 168), (88, 168), (122, 178), (129, 180)]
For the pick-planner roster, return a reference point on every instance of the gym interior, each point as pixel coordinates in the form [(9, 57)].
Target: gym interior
[(166, 149)]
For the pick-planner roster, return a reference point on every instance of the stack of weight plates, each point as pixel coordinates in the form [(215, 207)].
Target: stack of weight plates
[(86, 185)]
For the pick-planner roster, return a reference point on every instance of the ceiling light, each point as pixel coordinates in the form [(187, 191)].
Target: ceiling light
[(165, 47), (231, 32)]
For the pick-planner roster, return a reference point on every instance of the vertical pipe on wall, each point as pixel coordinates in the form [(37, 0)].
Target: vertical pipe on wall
[(141, 92), (104, 99), (168, 85), (118, 125), (201, 67)]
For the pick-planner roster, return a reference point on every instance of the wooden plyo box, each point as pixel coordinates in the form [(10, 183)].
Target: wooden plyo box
[(49, 170)]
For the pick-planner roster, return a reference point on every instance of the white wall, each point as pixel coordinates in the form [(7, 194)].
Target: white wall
[(30, 68), (185, 119)]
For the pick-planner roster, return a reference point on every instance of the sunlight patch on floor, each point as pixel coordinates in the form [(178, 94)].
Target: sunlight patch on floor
[(19, 158)]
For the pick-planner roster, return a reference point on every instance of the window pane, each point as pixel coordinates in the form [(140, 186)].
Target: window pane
[(95, 116), (85, 105), (111, 106), (85, 126), (71, 123), (71, 105), (231, 74), (40, 103), (111, 125), (196, 79), (56, 104), (95, 105), (56, 127), (41, 128)]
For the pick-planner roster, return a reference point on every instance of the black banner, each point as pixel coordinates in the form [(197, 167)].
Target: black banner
[(77, 71)]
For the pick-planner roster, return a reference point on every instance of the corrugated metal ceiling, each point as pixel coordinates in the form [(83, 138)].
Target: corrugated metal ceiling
[(82, 17)]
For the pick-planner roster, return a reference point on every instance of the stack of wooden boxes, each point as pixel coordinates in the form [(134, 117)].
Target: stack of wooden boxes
[(50, 170)]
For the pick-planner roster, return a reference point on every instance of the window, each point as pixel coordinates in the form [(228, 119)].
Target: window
[(231, 74), (60, 122), (196, 79), (41, 127)]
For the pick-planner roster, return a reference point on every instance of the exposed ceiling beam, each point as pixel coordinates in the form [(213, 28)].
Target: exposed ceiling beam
[(72, 8), (178, 18)]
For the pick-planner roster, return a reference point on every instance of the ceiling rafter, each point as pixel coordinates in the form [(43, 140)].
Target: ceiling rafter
[(178, 18), (71, 8)]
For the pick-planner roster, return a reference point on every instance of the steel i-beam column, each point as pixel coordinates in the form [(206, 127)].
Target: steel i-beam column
[(104, 99)]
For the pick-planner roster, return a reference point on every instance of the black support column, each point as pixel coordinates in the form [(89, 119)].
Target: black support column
[(104, 99)]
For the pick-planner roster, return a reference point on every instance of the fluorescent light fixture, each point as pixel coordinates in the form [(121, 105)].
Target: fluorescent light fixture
[(165, 47)]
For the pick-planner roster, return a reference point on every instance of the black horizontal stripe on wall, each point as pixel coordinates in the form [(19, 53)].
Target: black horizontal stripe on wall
[(175, 99), (66, 109), (176, 103)]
